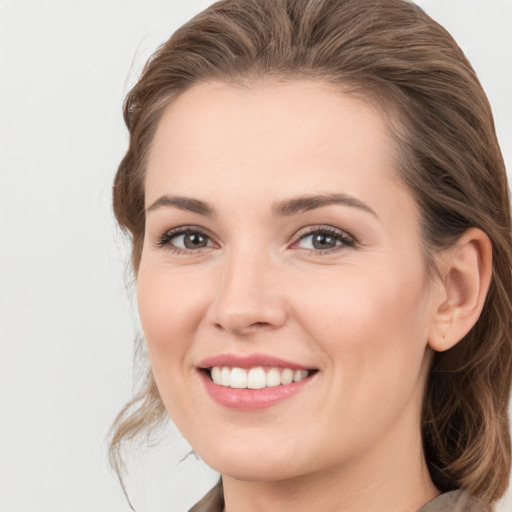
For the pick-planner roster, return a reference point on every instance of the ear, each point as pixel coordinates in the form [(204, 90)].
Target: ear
[(465, 273)]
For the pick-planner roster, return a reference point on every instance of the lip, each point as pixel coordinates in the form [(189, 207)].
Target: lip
[(249, 361), (250, 399)]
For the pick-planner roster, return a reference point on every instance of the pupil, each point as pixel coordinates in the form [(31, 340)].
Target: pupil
[(323, 242), (194, 240)]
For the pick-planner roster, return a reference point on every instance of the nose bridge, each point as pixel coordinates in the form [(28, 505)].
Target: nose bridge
[(248, 297)]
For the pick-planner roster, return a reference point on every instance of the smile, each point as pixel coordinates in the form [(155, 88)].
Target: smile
[(255, 378), (253, 382)]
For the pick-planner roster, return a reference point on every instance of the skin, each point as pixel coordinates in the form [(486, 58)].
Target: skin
[(363, 313)]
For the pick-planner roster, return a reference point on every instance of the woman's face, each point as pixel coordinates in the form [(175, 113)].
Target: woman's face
[(279, 246)]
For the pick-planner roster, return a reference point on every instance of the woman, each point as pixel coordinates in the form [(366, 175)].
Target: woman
[(320, 223)]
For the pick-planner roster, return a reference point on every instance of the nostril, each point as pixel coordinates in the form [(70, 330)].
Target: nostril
[(259, 324), (240, 327)]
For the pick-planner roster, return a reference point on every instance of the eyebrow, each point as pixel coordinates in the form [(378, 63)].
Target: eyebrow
[(307, 203), (183, 203), (284, 208)]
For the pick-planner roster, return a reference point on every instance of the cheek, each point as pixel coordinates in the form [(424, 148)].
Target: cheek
[(365, 299), (374, 333), (373, 324), (170, 308)]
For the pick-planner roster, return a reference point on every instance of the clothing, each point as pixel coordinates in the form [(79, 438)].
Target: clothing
[(454, 501), (213, 501)]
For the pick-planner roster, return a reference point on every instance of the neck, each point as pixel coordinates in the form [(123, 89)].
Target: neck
[(391, 478)]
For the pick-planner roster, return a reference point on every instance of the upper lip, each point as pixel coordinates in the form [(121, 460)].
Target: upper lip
[(249, 361)]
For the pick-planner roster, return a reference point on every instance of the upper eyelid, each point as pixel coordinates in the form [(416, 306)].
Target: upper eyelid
[(181, 230), (322, 227), (187, 229)]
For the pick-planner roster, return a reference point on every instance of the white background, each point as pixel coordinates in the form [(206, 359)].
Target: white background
[(66, 320)]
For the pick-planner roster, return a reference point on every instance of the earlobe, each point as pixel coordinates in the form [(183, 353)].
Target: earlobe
[(466, 274)]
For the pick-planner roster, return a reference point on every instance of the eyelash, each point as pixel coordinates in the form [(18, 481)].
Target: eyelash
[(165, 239), (343, 237)]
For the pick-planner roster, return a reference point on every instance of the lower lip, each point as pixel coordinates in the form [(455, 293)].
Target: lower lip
[(251, 399)]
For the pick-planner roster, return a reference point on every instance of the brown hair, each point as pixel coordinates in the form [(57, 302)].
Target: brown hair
[(448, 154)]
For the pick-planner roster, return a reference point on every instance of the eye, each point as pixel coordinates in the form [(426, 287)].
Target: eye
[(185, 239), (324, 240)]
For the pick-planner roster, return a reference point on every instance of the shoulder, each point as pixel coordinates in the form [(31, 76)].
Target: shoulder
[(454, 501)]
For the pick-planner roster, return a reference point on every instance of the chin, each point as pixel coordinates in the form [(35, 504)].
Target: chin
[(249, 471), (258, 465)]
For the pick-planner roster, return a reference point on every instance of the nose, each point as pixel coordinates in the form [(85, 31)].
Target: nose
[(249, 297)]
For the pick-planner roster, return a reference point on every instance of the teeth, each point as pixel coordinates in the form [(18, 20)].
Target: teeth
[(299, 375), (286, 377), (255, 378), (216, 375), (238, 378), (225, 377)]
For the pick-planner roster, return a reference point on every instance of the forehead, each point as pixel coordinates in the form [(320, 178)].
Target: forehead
[(277, 138)]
